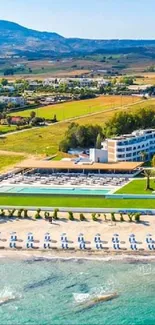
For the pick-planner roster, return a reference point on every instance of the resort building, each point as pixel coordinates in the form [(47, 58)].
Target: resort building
[(14, 100), (137, 146), (80, 166)]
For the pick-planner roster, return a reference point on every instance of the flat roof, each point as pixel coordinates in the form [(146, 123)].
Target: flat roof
[(51, 164)]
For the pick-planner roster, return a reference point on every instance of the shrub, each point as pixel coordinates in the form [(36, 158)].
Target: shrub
[(25, 213), (11, 213), (82, 217), (2, 213), (37, 215), (94, 217), (121, 217), (46, 214), (71, 216), (137, 217), (130, 216), (55, 214), (113, 216), (19, 213)]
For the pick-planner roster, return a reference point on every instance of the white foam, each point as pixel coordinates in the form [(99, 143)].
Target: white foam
[(81, 297)]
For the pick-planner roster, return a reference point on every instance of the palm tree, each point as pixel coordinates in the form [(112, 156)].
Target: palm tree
[(148, 174), (153, 161), (143, 155)]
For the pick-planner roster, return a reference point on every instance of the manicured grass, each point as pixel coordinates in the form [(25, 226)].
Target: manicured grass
[(9, 160), (137, 187), (68, 201), (78, 108)]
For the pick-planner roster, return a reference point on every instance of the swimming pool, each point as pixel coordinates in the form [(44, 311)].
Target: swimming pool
[(52, 191)]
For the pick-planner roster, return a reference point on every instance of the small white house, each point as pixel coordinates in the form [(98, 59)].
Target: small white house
[(98, 155)]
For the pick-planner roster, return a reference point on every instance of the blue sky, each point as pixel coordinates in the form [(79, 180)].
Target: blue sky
[(99, 19)]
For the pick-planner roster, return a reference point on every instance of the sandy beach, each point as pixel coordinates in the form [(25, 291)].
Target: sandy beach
[(72, 228)]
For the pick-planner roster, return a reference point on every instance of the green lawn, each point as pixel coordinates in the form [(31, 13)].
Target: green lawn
[(67, 201), (9, 160), (5, 129), (43, 140), (136, 187), (77, 108)]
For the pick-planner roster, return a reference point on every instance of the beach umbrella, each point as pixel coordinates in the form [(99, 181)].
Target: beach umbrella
[(149, 235), (132, 235), (116, 235)]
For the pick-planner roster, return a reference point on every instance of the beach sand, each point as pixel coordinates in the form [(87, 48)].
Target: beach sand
[(72, 228)]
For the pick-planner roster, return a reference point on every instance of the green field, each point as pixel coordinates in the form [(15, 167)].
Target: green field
[(101, 118), (137, 187), (44, 140), (5, 129), (78, 108), (67, 201), (9, 161)]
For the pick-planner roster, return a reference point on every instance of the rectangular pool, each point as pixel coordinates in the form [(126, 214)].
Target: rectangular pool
[(52, 191)]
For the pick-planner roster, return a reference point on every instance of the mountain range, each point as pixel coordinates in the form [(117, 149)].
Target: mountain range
[(17, 39)]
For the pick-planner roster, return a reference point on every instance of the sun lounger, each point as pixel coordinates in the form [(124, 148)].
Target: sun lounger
[(64, 245), (97, 238), (29, 244), (133, 246), (12, 244), (99, 245), (116, 246), (82, 245), (46, 245)]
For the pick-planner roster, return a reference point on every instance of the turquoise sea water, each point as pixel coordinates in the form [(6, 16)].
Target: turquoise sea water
[(49, 292), (57, 191)]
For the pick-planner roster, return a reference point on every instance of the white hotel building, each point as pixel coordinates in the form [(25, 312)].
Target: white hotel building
[(129, 147)]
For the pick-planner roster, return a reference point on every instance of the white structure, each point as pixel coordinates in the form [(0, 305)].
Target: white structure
[(129, 147), (98, 155), (14, 100)]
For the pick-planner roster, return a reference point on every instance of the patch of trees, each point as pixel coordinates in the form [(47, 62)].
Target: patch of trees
[(125, 122), (82, 136), (127, 81)]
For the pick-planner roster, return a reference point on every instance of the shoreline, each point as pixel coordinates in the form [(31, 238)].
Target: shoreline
[(77, 255)]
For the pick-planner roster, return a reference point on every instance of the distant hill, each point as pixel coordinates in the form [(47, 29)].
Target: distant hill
[(17, 39)]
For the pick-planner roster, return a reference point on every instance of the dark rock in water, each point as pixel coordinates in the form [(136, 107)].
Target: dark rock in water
[(71, 286), (40, 283), (83, 288)]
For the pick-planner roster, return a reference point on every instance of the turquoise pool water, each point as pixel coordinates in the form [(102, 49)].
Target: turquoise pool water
[(52, 191), (49, 292)]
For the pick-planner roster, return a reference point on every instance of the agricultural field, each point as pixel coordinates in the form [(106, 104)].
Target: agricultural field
[(83, 107), (148, 78), (137, 187), (7, 161), (67, 201), (101, 118), (45, 141)]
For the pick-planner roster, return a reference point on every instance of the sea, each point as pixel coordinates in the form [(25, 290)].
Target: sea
[(56, 292)]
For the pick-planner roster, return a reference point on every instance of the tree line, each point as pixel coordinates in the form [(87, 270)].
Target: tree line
[(126, 122), (82, 136), (87, 136)]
